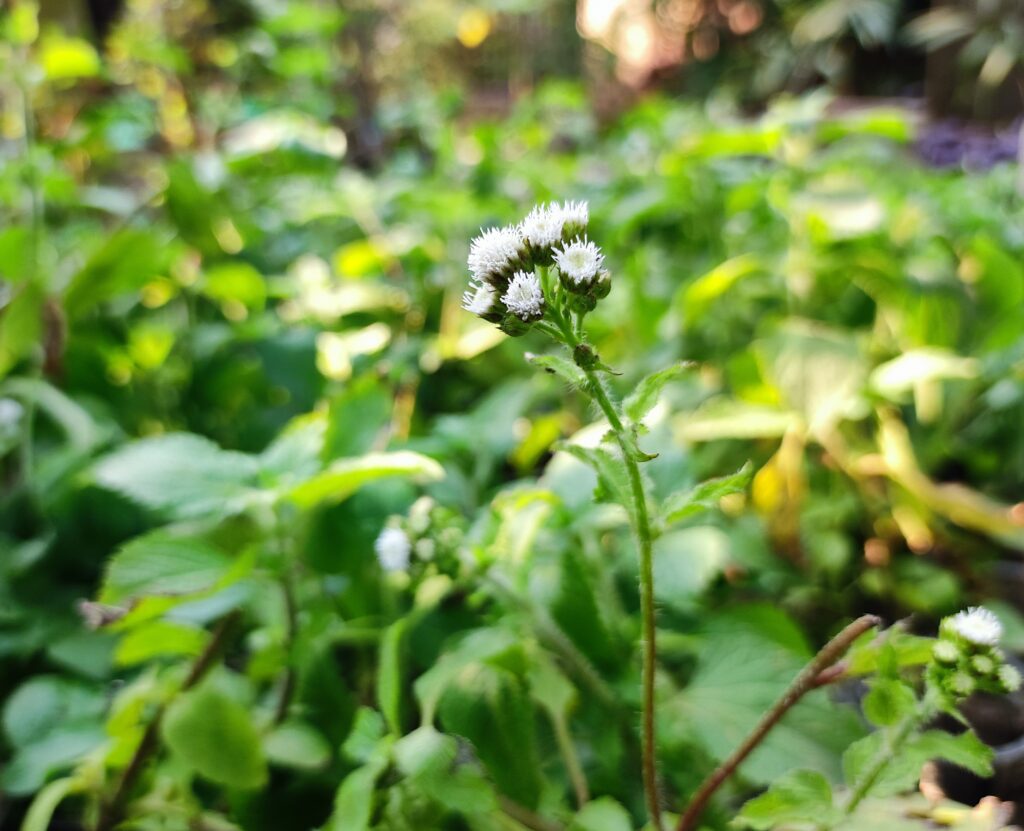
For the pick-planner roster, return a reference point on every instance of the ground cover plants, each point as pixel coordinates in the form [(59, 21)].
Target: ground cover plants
[(684, 507)]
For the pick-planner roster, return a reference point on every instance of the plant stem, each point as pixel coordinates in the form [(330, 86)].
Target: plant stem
[(110, 812), (571, 760), (640, 520), (810, 678)]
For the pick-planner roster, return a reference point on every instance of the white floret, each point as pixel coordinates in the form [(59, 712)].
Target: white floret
[(494, 252), (479, 299), (542, 227), (525, 297), (579, 261), (978, 626), (393, 549), (576, 214)]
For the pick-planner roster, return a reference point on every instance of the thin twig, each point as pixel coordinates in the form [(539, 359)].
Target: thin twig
[(524, 816), (813, 676), (291, 632), (110, 813)]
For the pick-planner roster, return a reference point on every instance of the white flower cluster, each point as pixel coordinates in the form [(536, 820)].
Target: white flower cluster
[(504, 287), (978, 626), (393, 548)]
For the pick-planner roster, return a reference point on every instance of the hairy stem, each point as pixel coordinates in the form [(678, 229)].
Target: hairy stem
[(640, 520), (813, 676), (110, 813)]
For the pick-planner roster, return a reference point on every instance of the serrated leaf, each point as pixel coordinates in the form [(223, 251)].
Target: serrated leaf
[(906, 650), (562, 367), (159, 638), (345, 476), (611, 471), (683, 504), (888, 701), (642, 400), (216, 737), (603, 814), (800, 796), (965, 750), (181, 475), (162, 563)]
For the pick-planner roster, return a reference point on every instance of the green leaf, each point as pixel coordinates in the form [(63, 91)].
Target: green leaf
[(723, 418), (748, 657), (365, 735), (159, 638), (295, 744), (965, 750), (888, 701), (121, 264), (686, 561), (46, 702), (613, 477), (182, 475), (58, 750), (705, 496), (603, 814), (642, 400), (550, 688), (353, 803), (21, 325), (425, 752), (163, 563), (346, 476), (869, 651), (560, 366), (215, 736), (801, 796)]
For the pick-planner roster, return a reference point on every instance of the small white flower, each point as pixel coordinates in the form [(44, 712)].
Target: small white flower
[(393, 548), (542, 227), (480, 299), (525, 297), (978, 626), (579, 261), (576, 215), (494, 253)]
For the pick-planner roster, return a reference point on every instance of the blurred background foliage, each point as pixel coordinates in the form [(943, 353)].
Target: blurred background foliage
[(247, 221)]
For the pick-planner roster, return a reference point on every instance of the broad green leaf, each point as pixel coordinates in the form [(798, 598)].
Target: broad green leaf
[(801, 796), (888, 701), (550, 688), (46, 702), (56, 751), (163, 563), (479, 645), (686, 561), (21, 325), (868, 652), (560, 366), (468, 792), (79, 427), (489, 706), (748, 658), (642, 400), (296, 744), (121, 264), (345, 476), (365, 736), (216, 737), (613, 477), (425, 752), (696, 298), (683, 504), (965, 750), (182, 475), (160, 638), (603, 814)]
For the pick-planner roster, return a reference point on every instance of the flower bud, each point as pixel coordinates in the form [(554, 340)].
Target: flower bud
[(1009, 678), (946, 652)]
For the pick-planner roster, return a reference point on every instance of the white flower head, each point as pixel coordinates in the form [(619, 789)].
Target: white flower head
[(978, 626), (525, 297), (393, 548), (495, 253), (575, 216), (542, 227), (579, 261), (482, 300)]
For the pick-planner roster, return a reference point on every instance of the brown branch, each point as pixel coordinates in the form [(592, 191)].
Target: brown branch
[(110, 813), (524, 816), (816, 674)]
